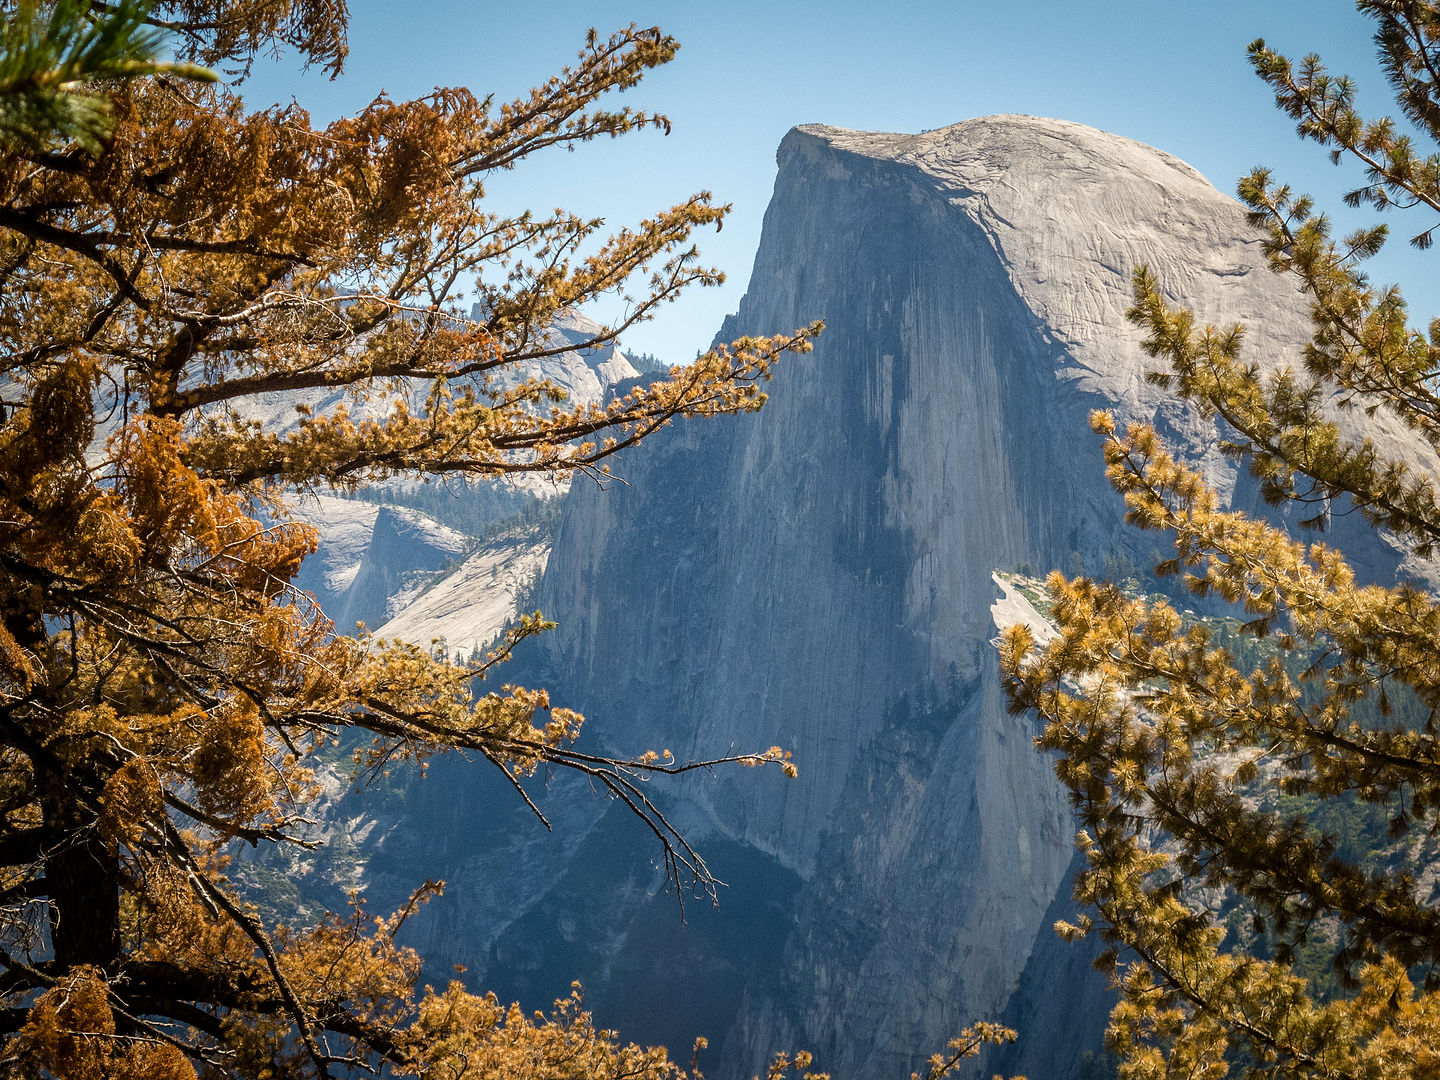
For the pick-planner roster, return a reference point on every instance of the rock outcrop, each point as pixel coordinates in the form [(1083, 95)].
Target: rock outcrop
[(819, 576), (372, 558)]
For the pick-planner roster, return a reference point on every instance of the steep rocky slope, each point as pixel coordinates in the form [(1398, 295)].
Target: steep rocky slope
[(368, 556), (819, 576)]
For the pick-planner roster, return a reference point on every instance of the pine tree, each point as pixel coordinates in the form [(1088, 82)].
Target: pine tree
[(47, 58), (1199, 778), (163, 686)]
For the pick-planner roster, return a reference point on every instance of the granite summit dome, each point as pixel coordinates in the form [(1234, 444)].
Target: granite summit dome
[(820, 576)]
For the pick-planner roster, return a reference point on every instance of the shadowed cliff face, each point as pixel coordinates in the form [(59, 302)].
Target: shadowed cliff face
[(818, 576)]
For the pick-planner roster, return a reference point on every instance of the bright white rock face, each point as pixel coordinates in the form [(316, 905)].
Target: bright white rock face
[(372, 560), (345, 527), (587, 373), (469, 606)]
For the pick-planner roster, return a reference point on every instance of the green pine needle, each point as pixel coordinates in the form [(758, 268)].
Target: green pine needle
[(49, 54)]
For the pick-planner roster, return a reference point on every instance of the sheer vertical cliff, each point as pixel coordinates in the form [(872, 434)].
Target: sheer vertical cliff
[(819, 576)]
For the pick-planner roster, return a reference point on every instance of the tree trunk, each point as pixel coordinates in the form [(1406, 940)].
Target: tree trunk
[(84, 889)]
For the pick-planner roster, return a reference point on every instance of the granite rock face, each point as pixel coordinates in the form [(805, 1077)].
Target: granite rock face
[(819, 576), (366, 554)]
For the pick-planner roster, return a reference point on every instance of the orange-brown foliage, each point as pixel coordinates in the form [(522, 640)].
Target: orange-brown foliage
[(162, 682)]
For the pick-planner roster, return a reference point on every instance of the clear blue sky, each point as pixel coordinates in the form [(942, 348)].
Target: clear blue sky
[(1170, 74)]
